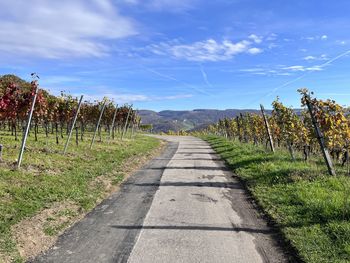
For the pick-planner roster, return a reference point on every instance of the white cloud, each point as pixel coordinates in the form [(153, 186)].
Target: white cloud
[(282, 70), (254, 50), (251, 70), (56, 29), (207, 50), (283, 74), (341, 42), (314, 68), (310, 58), (295, 68), (255, 38), (303, 68), (321, 57), (265, 71), (312, 38)]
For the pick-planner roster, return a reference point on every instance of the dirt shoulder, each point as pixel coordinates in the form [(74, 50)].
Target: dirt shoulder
[(37, 233)]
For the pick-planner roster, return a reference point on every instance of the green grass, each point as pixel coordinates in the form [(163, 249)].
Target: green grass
[(47, 176), (310, 207)]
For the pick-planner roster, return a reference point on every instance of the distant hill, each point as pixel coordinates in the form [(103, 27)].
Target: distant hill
[(187, 120)]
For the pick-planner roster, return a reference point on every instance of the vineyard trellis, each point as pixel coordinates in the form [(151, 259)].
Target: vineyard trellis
[(321, 127), (57, 115)]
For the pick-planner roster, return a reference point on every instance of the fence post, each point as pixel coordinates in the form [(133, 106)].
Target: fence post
[(1, 149), (238, 129), (320, 137), (25, 134), (111, 131), (267, 126), (73, 124), (243, 127), (98, 123), (132, 130), (126, 123)]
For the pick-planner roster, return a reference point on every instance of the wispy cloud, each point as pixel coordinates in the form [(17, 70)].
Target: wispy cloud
[(131, 98), (271, 37), (312, 38), (335, 58), (51, 80), (57, 29), (273, 91), (303, 68), (321, 57), (206, 50), (261, 71), (254, 50), (163, 5), (255, 38)]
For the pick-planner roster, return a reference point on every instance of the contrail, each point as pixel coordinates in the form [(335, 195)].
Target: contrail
[(334, 59), (286, 84), (301, 77), (179, 81), (205, 77)]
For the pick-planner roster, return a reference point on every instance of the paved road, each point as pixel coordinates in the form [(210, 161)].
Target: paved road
[(185, 206)]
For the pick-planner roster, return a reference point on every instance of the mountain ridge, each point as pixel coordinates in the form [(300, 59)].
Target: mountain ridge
[(166, 120)]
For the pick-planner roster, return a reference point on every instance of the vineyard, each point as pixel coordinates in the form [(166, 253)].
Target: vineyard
[(296, 165), (59, 116), (104, 147), (325, 126)]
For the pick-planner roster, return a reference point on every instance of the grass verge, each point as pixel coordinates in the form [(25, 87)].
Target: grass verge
[(310, 207), (47, 178)]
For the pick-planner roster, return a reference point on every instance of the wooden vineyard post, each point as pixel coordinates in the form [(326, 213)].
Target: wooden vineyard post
[(320, 137), (126, 123), (267, 128), (76, 135), (26, 131), (238, 129), (132, 130), (289, 144), (244, 136), (73, 124), (98, 123), (111, 131)]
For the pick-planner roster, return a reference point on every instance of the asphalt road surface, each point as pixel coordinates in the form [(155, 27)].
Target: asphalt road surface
[(184, 206)]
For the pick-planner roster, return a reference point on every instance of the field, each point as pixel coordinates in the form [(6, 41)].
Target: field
[(69, 185), (310, 207)]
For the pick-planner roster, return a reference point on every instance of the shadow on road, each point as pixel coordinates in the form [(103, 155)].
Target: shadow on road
[(193, 184), (205, 168), (190, 153), (199, 228), (193, 159)]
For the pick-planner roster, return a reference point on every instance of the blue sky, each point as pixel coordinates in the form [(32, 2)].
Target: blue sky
[(181, 54)]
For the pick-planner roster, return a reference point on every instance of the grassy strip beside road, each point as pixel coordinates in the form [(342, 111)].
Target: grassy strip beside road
[(310, 207), (48, 178)]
